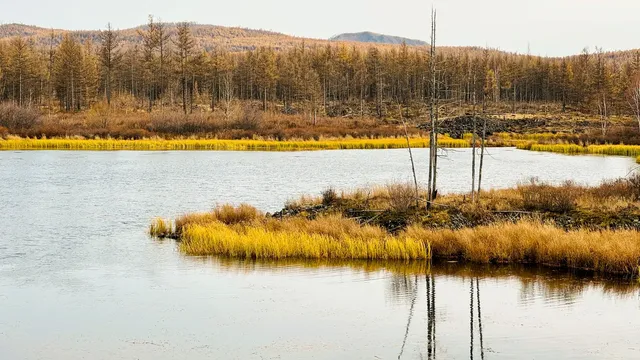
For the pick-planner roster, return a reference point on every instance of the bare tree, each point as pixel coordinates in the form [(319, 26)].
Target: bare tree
[(482, 147), (634, 98), (433, 137), (473, 144), (413, 166)]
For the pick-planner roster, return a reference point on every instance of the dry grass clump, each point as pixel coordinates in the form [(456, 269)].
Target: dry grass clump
[(226, 214), (324, 238), (336, 237), (161, 228), (538, 196), (616, 150), (536, 243)]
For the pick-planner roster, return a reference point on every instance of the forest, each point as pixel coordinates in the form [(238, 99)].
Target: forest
[(168, 69)]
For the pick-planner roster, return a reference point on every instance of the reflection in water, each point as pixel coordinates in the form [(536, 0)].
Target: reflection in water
[(535, 282), (413, 304), (471, 322), (472, 318), (480, 320), (431, 315), (553, 287)]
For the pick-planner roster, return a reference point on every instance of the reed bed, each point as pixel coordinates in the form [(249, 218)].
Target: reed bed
[(617, 150), (533, 242), (255, 236), (216, 144), (161, 228)]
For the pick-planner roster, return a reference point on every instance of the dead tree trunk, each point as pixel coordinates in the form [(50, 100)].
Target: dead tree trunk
[(473, 153), (482, 146), (432, 114), (413, 166)]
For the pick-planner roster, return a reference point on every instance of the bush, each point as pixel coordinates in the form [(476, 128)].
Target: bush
[(16, 118), (634, 186), (329, 197), (401, 196), (250, 118), (544, 197)]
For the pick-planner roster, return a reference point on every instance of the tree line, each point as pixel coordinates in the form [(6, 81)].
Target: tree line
[(168, 68)]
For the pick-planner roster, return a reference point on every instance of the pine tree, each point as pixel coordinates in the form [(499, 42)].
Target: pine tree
[(184, 44), (109, 58)]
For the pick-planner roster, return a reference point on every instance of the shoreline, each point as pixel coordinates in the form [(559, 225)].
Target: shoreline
[(223, 145)]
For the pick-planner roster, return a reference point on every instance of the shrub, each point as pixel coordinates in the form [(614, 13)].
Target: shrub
[(17, 118), (250, 118), (634, 186), (401, 196), (329, 197), (544, 197)]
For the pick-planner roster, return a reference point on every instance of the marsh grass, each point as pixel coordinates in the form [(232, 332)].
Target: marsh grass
[(537, 243), (161, 228), (568, 225), (215, 144), (335, 237), (616, 150), (243, 232)]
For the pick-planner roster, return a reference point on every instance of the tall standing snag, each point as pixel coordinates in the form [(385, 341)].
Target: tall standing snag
[(634, 98), (433, 136), (413, 166)]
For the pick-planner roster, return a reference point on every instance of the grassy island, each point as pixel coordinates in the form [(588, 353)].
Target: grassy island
[(568, 226)]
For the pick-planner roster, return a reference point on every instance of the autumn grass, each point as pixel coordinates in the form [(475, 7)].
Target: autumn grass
[(537, 243), (160, 228), (246, 233), (617, 150), (215, 144)]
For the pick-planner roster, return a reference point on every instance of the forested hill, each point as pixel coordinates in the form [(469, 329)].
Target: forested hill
[(370, 37), (206, 37)]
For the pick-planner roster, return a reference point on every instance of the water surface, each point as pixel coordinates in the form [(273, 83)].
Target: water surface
[(79, 278)]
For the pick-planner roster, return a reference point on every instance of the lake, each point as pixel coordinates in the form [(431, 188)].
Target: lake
[(80, 278)]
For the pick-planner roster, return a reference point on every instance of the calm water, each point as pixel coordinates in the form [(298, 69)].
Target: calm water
[(79, 278)]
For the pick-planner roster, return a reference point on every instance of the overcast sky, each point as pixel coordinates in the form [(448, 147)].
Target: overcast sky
[(547, 27)]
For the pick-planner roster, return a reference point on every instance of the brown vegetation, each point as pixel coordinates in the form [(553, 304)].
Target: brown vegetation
[(567, 226)]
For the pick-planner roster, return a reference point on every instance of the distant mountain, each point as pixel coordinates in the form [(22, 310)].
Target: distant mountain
[(370, 37)]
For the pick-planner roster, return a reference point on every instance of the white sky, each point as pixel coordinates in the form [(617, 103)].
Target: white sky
[(549, 27)]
